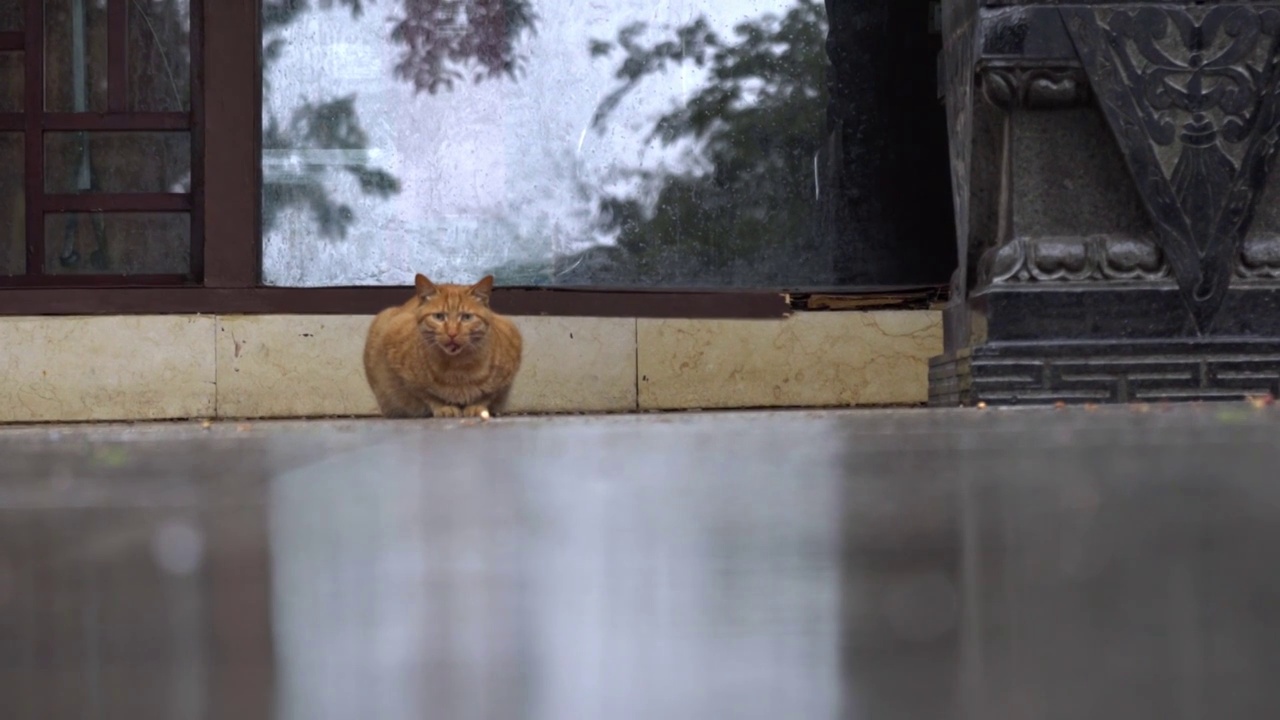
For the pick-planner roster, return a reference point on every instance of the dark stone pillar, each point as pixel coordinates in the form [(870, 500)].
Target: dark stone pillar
[(885, 162), (1117, 220)]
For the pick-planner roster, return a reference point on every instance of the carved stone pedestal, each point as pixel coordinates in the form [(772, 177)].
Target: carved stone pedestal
[(1117, 218)]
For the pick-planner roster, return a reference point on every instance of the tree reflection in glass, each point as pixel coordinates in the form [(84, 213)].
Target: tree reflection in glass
[(458, 137)]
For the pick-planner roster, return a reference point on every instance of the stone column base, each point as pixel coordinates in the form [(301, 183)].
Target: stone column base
[(1093, 372)]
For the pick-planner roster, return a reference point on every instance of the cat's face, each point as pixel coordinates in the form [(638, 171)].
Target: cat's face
[(453, 318)]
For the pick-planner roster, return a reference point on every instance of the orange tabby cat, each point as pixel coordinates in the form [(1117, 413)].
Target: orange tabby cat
[(442, 354)]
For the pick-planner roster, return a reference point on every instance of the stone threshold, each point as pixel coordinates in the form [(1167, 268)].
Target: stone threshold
[(176, 367)]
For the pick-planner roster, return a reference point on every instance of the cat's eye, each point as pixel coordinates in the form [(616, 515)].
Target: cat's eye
[(466, 317), (440, 317)]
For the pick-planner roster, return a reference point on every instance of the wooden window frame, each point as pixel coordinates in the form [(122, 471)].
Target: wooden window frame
[(34, 122), (225, 203)]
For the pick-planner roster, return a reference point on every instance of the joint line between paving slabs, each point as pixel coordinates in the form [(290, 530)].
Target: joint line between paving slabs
[(635, 328)]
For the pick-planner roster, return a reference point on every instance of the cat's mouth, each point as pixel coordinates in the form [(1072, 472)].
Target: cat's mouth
[(451, 347)]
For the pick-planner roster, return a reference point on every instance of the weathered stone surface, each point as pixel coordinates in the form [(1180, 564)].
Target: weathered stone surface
[(1115, 160)]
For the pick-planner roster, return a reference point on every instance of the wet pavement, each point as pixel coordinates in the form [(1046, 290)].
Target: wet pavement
[(1106, 563)]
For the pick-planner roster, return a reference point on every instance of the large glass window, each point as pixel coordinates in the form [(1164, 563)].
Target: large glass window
[(659, 143)]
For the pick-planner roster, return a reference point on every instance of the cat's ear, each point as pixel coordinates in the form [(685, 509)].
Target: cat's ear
[(483, 289), (424, 287)]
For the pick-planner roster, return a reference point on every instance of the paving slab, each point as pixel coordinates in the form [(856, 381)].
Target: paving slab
[(1114, 562)]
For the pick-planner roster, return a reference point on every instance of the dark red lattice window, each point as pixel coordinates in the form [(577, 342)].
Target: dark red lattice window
[(100, 142)]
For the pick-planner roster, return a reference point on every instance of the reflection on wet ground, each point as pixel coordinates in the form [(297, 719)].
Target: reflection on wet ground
[(1115, 563)]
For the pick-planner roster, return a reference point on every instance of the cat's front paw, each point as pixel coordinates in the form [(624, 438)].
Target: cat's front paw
[(446, 411), (477, 411)]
